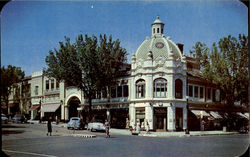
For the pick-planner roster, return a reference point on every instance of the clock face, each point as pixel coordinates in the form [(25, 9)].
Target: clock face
[(159, 45)]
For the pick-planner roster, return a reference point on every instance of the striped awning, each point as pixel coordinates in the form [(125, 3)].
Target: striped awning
[(216, 115), (242, 115), (49, 107), (34, 107), (200, 113)]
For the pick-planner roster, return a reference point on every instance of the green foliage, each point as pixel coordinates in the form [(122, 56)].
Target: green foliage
[(10, 76), (87, 64), (226, 64)]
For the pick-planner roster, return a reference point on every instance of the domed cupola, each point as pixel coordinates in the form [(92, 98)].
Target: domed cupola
[(157, 28)]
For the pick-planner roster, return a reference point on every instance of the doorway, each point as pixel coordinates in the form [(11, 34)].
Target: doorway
[(179, 118), (160, 119)]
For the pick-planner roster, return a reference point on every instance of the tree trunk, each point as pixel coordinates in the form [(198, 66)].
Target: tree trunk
[(90, 109)]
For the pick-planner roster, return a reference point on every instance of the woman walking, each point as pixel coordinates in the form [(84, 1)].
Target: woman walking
[(107, 127), (49, 127)]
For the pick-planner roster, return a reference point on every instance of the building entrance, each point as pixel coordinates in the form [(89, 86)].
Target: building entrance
[(160, 118), (73, 105), (179, 118)]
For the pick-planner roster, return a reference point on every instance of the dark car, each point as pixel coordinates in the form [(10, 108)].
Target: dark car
[(18, 118)]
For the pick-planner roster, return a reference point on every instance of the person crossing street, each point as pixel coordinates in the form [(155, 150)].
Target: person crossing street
[(107, 127)]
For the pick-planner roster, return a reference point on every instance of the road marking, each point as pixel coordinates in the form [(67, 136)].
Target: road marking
[(11, 151)]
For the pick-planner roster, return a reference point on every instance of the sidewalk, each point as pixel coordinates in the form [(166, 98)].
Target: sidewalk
[(61, 130)]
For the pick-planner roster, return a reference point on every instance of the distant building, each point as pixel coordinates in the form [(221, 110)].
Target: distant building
[(162, 86)]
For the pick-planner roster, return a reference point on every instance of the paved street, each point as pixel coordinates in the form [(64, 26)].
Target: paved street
[(31, 140)]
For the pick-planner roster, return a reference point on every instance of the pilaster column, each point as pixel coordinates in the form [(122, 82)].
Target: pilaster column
[(149, 115), (132, 117), (184, 117), (66, 113), (171, 118)]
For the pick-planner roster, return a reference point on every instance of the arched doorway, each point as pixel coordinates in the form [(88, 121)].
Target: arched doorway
[(73, 104)]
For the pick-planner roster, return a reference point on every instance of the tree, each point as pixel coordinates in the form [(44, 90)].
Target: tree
[(226, 65), (85, 64), (10, 76)]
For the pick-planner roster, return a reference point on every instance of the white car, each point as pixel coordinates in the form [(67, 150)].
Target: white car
[(4, 118), (96, 125)]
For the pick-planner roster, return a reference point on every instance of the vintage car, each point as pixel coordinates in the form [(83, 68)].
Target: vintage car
[(75, 123), (4, 119), (96, 125)]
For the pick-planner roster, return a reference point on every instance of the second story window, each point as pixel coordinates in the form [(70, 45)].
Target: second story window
[(119, 91), (196, 91), (52, 84), (125, 91), (57, 84), (190, 91), (47, 84), (113, 92), (209, 93), (140, 88), (201, 92), (160, 88), (178, 89), (36, 90)]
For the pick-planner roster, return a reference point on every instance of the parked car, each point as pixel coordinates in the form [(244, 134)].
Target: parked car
[(18, 118), (4, 119), (96, 125), (75, 123)]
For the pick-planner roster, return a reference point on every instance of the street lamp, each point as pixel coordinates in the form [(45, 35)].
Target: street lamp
[(108, 113)]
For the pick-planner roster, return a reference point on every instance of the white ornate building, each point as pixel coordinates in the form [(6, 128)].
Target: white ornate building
[(162, 87)]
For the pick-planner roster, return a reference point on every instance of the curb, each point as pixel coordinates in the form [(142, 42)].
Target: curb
[(80, 135)]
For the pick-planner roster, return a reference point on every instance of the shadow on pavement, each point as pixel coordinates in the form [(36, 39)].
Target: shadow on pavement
[(7, 132), (12, 126)]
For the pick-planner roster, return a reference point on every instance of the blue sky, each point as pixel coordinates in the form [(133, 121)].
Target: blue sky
[(29, 29)]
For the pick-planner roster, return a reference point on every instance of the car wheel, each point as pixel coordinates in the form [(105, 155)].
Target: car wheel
[(91, 129)]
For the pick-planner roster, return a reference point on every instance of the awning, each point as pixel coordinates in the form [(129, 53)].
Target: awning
[(242, 115), (200, 113), (49, 107), (247, 114), (34, 107), (215, 115)]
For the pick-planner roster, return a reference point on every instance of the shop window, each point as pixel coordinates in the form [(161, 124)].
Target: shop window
[(119, 91), (113, 92), (47, 84), (140, 88), (160, 88), (178, 89), (52, 84), (190, 91), (125, 91), (201, 92), (196, 91)]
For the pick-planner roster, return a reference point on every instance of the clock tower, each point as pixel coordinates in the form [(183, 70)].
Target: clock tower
[(157, 28)]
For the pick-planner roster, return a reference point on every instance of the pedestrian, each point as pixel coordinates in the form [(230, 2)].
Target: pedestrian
[(138, 127), (49, 127), (107, 127), (147, 127)]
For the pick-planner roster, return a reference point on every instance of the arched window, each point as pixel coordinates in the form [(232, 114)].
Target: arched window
[(140, 88), (178, 89), (160, 88), (158, 30)]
